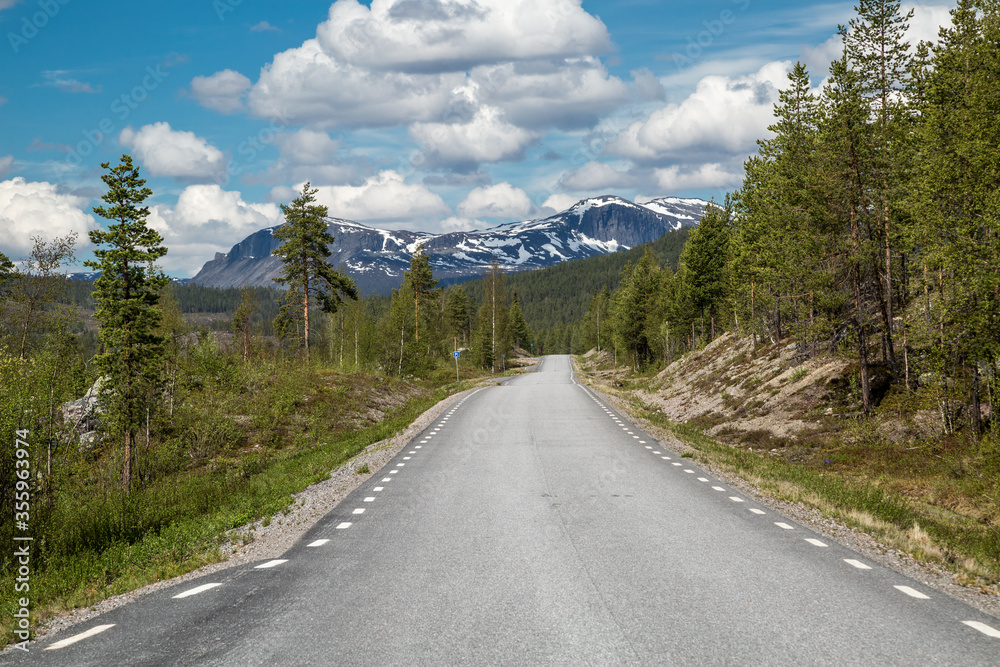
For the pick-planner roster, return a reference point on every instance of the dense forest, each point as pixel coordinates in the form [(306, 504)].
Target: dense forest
[(867, 224)]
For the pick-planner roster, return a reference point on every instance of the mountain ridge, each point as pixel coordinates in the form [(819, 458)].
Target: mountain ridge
[(376, 258)]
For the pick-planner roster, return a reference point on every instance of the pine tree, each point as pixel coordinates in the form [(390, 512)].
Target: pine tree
[(875, 49), (519, 330), (492, 333), (458, 311), (127, 295), (420, 278), (304, 250), (704, 258)]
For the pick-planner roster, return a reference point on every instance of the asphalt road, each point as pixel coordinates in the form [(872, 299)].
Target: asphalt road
[(533, 525)]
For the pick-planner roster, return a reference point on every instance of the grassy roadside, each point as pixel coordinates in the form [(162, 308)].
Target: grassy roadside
[(101, 543), (865, 496)]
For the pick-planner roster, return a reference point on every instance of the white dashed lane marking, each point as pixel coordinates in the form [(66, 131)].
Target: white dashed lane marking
[(344, 526), (195, 591), (359, 510), (675, 463), (378, 488), (83, 635), (757, 511), (815, 543), (387, 479), (983, 628), (407, 458), (702, 479), (736, 499), (317, 543), (689, 471), (370, 499), (856, 563), (271, 563), (912, 592), (718, 488), (783, 526), (393, 472)]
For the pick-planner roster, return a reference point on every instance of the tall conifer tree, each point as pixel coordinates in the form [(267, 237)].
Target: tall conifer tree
[(127, 294)]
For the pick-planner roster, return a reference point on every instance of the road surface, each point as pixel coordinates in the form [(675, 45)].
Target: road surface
[(532, 524)]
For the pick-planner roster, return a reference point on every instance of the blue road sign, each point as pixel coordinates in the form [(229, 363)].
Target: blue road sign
[(455, 354)]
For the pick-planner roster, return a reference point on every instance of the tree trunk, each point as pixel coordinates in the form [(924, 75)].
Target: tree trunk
[(866, 392), (976, 414)]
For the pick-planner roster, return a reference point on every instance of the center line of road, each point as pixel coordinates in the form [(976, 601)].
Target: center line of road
[(856, 563), (271, 563), (317, 543), (913, 593), (195, 591), (815, 542), (983, 628), (784, 526), (344, 526), (83, 635)]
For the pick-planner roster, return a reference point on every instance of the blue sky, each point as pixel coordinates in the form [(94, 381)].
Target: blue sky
[(420, 114)]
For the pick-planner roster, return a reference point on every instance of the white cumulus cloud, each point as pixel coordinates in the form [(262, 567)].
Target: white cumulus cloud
[(487, 137), (38, 208), (222, 91), (701, 177), (596, 178), (502, 200), (174, 153), (724, 116), (457, 35), (383, 198), (400, 62)]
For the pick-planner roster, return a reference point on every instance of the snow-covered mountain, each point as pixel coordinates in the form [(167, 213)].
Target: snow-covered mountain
[(376, 258)]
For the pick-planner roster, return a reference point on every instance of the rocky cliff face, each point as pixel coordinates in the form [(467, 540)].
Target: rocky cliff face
[(376, 258)]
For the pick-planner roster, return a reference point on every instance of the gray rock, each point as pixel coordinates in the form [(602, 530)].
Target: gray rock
[(84, 413)]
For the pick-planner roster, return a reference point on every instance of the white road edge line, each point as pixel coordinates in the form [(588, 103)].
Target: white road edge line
[(370, 499), (271, 563), (195, 591), (815, 542), (718, 488), (983, 628), (757, 511), (317, 543), (913, 593), (783, 526), (344, 526), (736, 499), (83, 635)]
